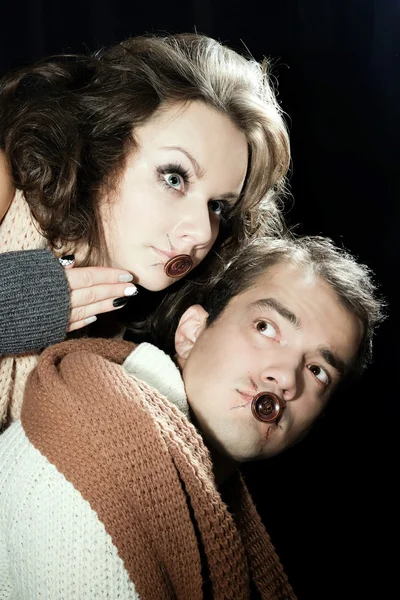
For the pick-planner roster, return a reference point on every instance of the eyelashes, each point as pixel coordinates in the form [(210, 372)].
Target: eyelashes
[(326, 378), (173, 169), (264, 326)]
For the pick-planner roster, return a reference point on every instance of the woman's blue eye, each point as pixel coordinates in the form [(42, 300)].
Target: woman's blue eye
[(173, 180), (217, 207)]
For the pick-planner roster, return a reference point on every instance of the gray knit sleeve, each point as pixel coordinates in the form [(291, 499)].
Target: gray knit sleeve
[(34, 301)]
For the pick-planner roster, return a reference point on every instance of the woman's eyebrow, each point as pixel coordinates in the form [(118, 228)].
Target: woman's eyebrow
[(199, 171), (229, 196), (196, 167)]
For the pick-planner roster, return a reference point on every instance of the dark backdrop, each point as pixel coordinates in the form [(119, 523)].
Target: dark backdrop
[(329, 504)]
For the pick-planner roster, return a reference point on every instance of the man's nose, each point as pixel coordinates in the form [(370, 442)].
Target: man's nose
[(282, 377)]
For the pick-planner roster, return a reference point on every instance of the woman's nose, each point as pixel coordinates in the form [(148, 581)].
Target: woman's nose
[(194, 230)]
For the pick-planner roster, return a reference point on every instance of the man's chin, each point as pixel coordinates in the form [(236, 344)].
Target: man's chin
[(232, 454)]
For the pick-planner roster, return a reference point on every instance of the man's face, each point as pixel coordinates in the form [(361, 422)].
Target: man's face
[(289, 334)]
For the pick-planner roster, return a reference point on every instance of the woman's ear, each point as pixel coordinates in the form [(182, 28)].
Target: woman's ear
[(6, 186), (191, 324)]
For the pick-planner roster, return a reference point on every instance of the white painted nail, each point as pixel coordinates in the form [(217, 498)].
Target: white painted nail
[(67, 261), (89, 320), (125, 277), (130, 291)]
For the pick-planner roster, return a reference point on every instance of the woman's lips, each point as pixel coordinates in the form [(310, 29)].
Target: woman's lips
[(166, 253)]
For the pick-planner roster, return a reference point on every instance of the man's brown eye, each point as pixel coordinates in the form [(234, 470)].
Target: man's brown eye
[(267, 329), (320, 374)]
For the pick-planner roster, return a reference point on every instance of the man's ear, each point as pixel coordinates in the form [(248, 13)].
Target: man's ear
[(191, 324)]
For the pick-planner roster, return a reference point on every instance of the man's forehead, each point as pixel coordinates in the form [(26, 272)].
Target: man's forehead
[(276, 279)]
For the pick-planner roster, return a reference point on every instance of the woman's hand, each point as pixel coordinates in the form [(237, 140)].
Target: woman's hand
[(95, 290)]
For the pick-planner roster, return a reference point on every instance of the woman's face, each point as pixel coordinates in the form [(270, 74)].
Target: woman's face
[(187, 170)]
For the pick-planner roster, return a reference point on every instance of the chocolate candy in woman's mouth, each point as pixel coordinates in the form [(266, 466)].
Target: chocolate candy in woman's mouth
[(178, 266)]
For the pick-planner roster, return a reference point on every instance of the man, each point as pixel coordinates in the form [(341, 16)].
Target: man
[(117, 485)]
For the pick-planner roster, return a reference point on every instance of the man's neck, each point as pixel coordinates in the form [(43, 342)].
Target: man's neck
[(223, 467), (163, 374)]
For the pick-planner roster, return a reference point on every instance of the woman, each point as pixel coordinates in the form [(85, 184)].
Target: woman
[(155, 147)]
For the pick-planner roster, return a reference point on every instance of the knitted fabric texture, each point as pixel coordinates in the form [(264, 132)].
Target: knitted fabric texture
[(142, 466), (34, 301), (52, 544), (18, 231)]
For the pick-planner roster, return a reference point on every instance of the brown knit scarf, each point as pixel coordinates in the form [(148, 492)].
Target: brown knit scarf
[(18, 231), (143, 468)]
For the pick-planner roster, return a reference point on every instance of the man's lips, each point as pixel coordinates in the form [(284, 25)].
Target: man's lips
[(266, 428), (247, 396)]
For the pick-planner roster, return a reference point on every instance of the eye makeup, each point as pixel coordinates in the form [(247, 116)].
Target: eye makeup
[(173, 169)]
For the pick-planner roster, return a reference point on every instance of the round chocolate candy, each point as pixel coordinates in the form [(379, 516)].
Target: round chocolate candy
[(267, 407), (178, 266)]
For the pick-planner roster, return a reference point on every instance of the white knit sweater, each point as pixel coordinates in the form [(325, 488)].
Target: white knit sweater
[(52, 545)]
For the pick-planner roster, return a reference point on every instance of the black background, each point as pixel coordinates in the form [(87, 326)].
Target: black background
[(329, 503)]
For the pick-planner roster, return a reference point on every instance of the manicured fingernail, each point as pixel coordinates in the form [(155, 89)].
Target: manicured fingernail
[(130, 291), (67, 260), (125, 277), (89, 320), (118, 302)]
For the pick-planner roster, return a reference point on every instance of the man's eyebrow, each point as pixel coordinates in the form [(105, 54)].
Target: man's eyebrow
[(337, 363), (196, 167), (273, 303)]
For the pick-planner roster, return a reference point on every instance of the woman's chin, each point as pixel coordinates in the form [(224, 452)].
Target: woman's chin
[(155, 282)]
